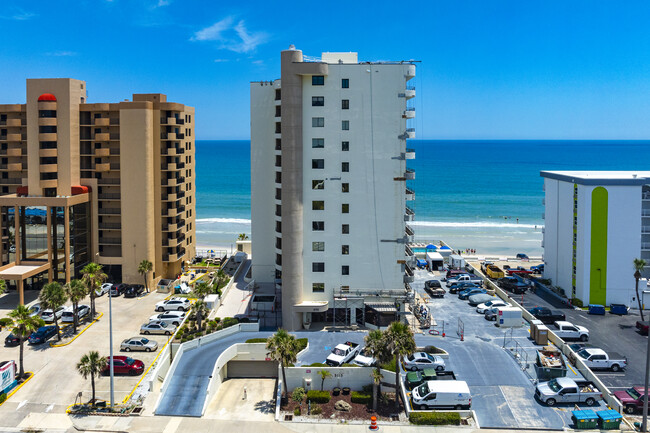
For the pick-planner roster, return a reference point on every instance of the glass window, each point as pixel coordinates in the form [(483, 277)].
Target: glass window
[(345, 83), (317, 80), (345, 167), (345, 125), (317, 163), (345, 249), (318, 246), (345, 104), (317, 101), (318, 226), (345, 187), (345, 208), (345, 146), (317, 143), (318, 122), (345, 229), (318, 205), (318, 287), (345, 270), (318, 184), (318, 267)]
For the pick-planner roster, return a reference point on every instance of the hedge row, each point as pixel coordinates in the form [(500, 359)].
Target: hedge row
[(316, 396), (256, 340), (360, 397), (434, 418)]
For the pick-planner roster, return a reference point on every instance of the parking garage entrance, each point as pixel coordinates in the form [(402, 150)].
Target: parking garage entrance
[(244, 369)]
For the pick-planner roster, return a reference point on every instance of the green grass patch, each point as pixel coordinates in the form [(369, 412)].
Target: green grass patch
[(434, 418), (256, 340)]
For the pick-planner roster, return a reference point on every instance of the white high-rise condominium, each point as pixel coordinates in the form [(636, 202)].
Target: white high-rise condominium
[(329, 193)]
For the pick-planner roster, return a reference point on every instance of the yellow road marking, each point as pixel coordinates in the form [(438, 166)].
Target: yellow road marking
[(128, 397), (15, 390), (81, 332)]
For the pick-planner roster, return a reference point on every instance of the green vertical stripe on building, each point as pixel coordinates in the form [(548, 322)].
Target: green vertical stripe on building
[(598, 267)]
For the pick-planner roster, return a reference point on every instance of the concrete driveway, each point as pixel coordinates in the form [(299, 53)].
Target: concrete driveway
[(229, 402)]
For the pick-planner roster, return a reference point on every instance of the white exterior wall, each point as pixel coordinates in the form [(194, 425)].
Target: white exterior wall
[(583, 247), (558, 233), (263, 181), (376, 200)]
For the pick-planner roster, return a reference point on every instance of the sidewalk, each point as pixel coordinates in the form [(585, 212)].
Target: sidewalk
[(238, 297)]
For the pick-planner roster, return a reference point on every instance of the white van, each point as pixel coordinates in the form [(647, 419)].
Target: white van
[(434, 394)]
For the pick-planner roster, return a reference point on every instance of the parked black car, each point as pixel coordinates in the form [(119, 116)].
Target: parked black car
[(134, 290), (512, 284), (11, 340), (42, 334), (547, 315), (117, 289)]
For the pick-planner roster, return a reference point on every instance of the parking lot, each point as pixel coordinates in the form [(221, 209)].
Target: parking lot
[(56, 381), (502, 394)]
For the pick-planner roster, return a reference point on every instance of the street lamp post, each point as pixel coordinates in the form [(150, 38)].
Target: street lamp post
[(110, 339)]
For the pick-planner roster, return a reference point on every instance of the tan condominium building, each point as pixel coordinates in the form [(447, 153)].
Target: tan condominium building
[(83, 182)]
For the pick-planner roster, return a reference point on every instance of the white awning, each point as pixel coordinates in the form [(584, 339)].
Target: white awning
[(383, 307), (311, 307)]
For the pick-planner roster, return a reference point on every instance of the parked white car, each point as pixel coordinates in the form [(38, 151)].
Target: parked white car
[(422, 360), (104, 289), (140, 344), (157, 327), (174, 304), (170, 317), (34, 310), (481, 308), (82, 311), (364, 359), (48, 315)]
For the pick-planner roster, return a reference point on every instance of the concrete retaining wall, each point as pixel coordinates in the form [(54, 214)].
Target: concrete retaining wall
[(353, 377)]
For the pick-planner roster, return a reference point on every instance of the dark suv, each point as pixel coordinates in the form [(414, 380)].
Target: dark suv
[(513, 285), (134, 290), (117, 289)]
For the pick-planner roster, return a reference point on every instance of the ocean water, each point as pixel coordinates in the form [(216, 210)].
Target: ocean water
[(485, 195)]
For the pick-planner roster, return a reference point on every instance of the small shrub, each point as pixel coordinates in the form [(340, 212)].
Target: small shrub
[(298, 394), (434, 418), (433, 350), (302, 343), (3, 398), (256, 340), (367, 389), (320, 397), (228, 322), (577, 302), (244, 320), (361, 398), (347, 364), (316, 410), (390, 365), (316, 364), (296, 411), (217, 319)]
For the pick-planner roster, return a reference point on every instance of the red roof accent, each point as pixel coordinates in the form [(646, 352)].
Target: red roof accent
[(76, 190), (47, 97), (22, 191)]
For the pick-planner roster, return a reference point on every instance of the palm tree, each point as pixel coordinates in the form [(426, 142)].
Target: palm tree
[(53, 296), (3, 286), (202, 289), (200, 308), (91, 364), (24, 325), (144, 268), (399, 342), (638, 264), (283, 348), (377, 347), (376, 380), (221, 277), (93, 276), (242, 237), (324, 374), (76, 291)]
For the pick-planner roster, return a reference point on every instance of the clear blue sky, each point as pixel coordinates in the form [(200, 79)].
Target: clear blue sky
[(490, 69)]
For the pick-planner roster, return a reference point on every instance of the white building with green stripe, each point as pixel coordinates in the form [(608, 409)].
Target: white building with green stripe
[(596, 224)]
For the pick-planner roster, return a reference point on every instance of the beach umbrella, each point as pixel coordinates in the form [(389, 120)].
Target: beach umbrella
[(431, 247), (445, 247)]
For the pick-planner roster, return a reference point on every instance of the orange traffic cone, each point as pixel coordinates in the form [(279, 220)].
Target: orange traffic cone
[(373, 423)]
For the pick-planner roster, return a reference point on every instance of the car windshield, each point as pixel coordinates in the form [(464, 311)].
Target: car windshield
[(584, 353), (423, 390), (633, 393), (555, 387), (129, 361), (339, 352)]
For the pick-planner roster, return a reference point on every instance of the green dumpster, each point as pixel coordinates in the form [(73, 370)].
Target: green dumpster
[(415, 378), (609, 419), (584, 419)]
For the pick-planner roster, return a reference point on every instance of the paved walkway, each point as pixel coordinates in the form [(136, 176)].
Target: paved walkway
[(238, 297)]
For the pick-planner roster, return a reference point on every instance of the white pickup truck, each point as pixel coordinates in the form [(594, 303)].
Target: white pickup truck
[(565, 390), (343, 353), (569, 331), (465, 278), (597, 358)]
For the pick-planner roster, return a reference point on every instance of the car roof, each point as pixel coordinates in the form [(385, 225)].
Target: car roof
[(564, 323), (594, 351), (565, 382), (455, 386)]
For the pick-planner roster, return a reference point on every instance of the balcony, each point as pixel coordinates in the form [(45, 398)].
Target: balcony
[(408, 251), (102, 121), (109, 211), (181, 165), (109, 196), (168, 136), (15, 152), (110, 241), (47, 153), (170, 182), (170, 197), (100, 136), (48, 168), (12, 181), (103, 167), (409, 154), (409, 174), (409, 214), (47, 136), (169, 167), (17, 166), (409, 113), (410, 133), (410, 234), (410, 194), (171, 121), (645, 246), (105, 151), (108, 181), (410, 72), (171, 212), (14, 122), (110, 226), (47, 121), (49, 183), (170, 228), (645, 229), (645, 212), (409, 92), (409, 277)]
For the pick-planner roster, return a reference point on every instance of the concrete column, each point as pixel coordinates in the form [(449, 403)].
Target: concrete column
[(21, 292), (50, 272), (66, 222), (17, 233)]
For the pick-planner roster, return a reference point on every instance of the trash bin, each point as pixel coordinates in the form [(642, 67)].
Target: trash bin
[(619, 309), (533, 328), (542, 335), (609, 419), (584, 419), (596, 309)]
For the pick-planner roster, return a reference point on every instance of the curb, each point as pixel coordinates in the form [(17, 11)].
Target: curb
[(15, 390), (80, 332), (144, 373)]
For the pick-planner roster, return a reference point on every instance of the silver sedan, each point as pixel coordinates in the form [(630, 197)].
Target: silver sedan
[(157, 327), (139, 343)]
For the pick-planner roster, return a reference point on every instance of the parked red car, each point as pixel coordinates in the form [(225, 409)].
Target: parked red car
[(631, 398), (124, 365)]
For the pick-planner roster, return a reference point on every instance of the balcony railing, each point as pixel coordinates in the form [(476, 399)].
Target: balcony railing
[(110, 226), (108, 181), (409, 231), (109, 211), (408, 250), (109, 196), (645, 246), (110, 241)]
